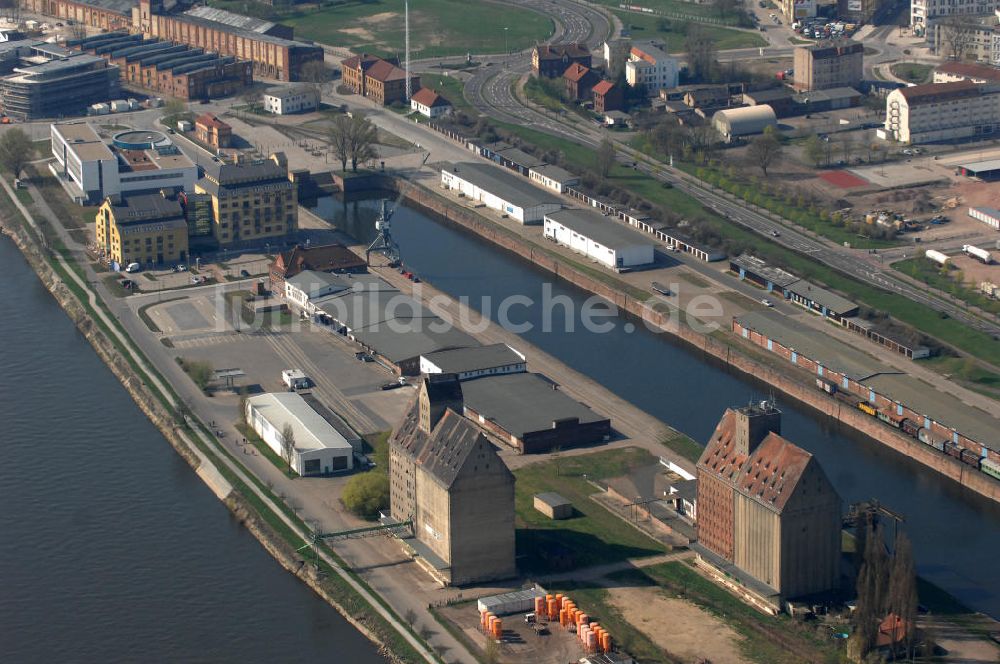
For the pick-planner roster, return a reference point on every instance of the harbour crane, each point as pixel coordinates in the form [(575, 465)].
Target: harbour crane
[(384, 243)]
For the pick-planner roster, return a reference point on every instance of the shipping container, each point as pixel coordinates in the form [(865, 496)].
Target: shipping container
[(910, 427), (827, 386), (970, 458), (953, 450), (866, 407)]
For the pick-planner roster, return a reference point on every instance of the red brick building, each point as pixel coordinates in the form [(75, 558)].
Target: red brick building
[(210, 130), (551, 60), (324, 258), (382, 81), (607, 97), (580, 82), (105, 14)]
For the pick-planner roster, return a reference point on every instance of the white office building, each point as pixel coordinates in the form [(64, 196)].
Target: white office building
[(510, 195), (318, 448), (650, 67), (942, 112), (553, 177), (924, 13), (291, 99), (91, 169), (602, 239)]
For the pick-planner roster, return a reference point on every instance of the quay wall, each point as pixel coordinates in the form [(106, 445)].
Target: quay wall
[(731, 354)]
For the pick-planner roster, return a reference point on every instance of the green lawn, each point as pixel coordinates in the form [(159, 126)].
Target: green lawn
[(648, 27), (265, 449), (594, 535), (912, 71), (437, 27), (950, 282), (450, 88), (683, 445), (672, 8)]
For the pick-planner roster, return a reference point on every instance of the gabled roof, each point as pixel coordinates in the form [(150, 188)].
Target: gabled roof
[(444, 452), (603, 88), (559, 51), (429, 98), (322, 258), (364, 61), (970, 70), (575, 72), (211, 120), (720, 457), (384, 71)]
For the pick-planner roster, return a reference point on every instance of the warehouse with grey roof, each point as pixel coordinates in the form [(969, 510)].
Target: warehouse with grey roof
[(499, 190), (601, 239)]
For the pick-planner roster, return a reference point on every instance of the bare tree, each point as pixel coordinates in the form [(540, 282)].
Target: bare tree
[(340, 139), (903, 594), (764, 150), (288, 445), (847, 148), (363, 138), (815, 150), (955, 36), (605, 157), (316, 74), (16, 150), (701, 52)]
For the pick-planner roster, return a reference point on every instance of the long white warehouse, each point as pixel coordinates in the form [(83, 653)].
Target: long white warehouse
[(319, 449), (987, 215), (599, 238), (500, 190)]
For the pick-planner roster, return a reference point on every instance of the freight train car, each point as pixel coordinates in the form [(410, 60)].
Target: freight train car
[(969, 458), (827, 386), (890, 419), (991, 468), (910, 428), (866, 407), (927, 438)]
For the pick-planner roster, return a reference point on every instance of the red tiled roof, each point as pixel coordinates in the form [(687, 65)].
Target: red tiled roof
[(557, 51), (364, 60), (324, 258), (575, 72), (429, 98), (210, 120), (930, 92), (970, 70), (604, 87), (384, 70)]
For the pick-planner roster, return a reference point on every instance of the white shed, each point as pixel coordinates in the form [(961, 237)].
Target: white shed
[(500, 190), (602, 239), (319, 449)]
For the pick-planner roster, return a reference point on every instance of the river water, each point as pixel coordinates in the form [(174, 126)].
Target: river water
[(955, 534), (111, 548)]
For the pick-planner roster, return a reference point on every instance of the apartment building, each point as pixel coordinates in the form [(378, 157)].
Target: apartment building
[(942, 112), (551, 60), (822, 67), (382, 81), (950, 72), (149, 229), (580, 82), (651, 69), (924, 13), (252, 199), (51, 82)]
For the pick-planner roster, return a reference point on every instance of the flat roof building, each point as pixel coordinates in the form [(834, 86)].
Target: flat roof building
[(651, 69), (42, 88), (837, 65), (288, 99), (942, 112), (473, 362), (553, 177), (317, 447), (501, 191), (599, 238), (148, 229), (529, 413)]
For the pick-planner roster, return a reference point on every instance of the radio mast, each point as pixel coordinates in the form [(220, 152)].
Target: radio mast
[(409, 91)]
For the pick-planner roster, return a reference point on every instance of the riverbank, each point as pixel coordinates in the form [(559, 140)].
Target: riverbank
[(727, 351), (271, 522)]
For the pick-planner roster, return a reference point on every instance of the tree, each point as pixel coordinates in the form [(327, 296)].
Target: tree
[(872, 589), (605, 157), (956, 34), (362, 139), (340, 140), (16, 150), (764, 150), (316, 74), (726, 7), (288, 445), (815, 150), (250, 98), (366, 494), (701, 52), (847, 148), (903, 592)]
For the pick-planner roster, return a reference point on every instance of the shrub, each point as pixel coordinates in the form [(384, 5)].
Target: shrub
[(366, 494)]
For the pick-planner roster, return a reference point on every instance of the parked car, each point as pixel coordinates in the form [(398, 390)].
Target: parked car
[(244, 273), (133, 267), (767, 303), (775, 233)]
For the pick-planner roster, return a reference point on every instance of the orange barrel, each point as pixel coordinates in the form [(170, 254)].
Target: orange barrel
[(562, 617), (547, 598), (583, 618), (539, 606), (573, 613), (553, 609), (559, 600), (591, 642), (498, 628), (482, 618), (594, 626), (582, 633), (606, 642)]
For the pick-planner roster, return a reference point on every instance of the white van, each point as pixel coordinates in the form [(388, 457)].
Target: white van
[(133, 267)]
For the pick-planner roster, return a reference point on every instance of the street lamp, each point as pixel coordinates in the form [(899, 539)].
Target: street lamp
[(506, 51)]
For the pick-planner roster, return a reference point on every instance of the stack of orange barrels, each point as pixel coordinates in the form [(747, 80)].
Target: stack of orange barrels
[(551, 607), (539, 607), (497, 628)]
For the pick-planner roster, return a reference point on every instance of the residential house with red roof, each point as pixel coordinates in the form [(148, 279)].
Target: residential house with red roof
[(210, 130), (580, 81), (379, 80), (607, 97), (429, 103), (551, 60)]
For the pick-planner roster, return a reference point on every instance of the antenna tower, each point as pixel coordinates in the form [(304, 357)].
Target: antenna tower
[(409, 90)]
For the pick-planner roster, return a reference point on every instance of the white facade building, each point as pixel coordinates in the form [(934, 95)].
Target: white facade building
[(319, 449), (429, 103), (599, 238), (652, 68), (291, 99), (473, 362), (923, 13), (942, 112), (91, 170), (987, 215), (500, 190), (553, 177), (308, 286)]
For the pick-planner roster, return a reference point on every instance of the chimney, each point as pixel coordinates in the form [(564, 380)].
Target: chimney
[(753, 424), (438, 393)]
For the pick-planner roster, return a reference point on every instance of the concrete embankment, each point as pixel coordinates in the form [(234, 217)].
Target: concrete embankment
[(169, 425), (730, 354)]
